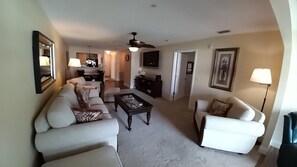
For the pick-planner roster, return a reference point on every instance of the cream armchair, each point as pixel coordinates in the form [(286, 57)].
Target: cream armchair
[(237, 132)]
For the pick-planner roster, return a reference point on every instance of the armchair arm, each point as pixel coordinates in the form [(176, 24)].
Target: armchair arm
[(201, 105), (231, 125), (76, 136), (287, 131)]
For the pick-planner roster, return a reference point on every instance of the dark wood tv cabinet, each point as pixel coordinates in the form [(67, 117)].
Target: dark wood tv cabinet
[(149, 86)]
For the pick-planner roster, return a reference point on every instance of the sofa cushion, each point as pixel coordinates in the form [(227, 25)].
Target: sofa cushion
[(67, 91), (219, 108), (94, 90), (95, 101), (240, 110), (99, 107), (59, 114), (80, 80)]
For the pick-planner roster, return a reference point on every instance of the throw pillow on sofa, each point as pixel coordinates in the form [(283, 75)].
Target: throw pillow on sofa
[(219, 108), (82, 95), (83, 116)]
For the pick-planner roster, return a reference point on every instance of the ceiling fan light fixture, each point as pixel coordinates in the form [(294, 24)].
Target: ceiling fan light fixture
[(133, 49)]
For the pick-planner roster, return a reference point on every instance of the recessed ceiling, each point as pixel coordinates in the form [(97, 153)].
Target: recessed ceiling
[(107, 24)]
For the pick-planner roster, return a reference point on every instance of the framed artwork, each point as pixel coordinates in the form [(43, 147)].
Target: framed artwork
[(224, 65), (190, 66)]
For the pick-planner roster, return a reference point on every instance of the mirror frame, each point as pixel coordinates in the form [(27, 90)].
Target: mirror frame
[(41, 86)]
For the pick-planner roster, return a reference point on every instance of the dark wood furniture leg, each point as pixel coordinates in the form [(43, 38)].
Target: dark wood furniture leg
[(115, 106), (148, 117), (129, 122)]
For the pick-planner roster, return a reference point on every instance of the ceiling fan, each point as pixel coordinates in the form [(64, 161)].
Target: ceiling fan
[(134, 44)]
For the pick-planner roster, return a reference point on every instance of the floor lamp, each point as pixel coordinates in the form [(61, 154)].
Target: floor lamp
[(73, 62), (262, 76)]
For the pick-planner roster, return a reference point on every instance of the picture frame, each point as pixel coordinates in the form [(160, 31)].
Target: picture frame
[(223, 69), (43, 61), (190, 66)]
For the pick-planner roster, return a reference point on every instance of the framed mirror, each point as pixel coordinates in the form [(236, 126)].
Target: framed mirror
[(43, 61)]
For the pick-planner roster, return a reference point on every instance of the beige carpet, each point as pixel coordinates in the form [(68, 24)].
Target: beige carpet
[(170, 140)]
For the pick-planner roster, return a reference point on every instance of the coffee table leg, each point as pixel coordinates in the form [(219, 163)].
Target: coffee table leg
[(129, 122), (148, 117)]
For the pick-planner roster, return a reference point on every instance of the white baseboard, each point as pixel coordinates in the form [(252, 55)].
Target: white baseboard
[(275, 144)]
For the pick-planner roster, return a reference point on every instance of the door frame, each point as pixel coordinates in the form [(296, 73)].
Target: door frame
[(175, 70)]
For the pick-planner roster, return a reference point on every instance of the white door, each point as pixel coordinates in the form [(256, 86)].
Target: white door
[(178, 77), (181, 79)]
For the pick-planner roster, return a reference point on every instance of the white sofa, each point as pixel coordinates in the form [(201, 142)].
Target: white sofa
[(237, 132), (104, 156), (57, 133)]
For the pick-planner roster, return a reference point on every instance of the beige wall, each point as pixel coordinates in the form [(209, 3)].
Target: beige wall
[(262, 49), (19, 102)]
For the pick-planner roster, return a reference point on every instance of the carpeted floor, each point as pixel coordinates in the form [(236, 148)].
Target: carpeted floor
[(170, 140)]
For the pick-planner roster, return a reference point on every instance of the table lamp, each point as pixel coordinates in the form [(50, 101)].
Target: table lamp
[(74, 62)]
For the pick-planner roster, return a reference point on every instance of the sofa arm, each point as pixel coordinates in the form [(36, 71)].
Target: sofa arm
[(76, 136), (231, 125), (201, 105)]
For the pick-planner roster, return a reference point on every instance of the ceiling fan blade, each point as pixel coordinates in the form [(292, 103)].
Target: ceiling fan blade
[(147, 46), (134, 42)]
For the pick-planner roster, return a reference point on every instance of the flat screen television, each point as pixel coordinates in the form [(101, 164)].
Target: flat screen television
[(150, 59)]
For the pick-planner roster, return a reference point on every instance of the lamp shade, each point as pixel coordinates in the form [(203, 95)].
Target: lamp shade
[(262, 76), (133, 49), (44, 61), (73, 62)]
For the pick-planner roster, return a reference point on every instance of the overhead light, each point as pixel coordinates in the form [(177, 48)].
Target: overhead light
[(133, 49), (107, 51)]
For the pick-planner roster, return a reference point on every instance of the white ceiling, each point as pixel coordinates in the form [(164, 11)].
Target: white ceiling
[(107, 23)]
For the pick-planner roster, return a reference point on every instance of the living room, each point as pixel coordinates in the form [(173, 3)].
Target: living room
[(270, 49)]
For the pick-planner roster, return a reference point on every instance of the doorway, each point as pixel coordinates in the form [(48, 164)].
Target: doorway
[(182, 74), (107, 64)]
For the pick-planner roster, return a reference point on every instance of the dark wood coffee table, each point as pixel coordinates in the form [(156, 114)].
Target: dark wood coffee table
[(133, 104)]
